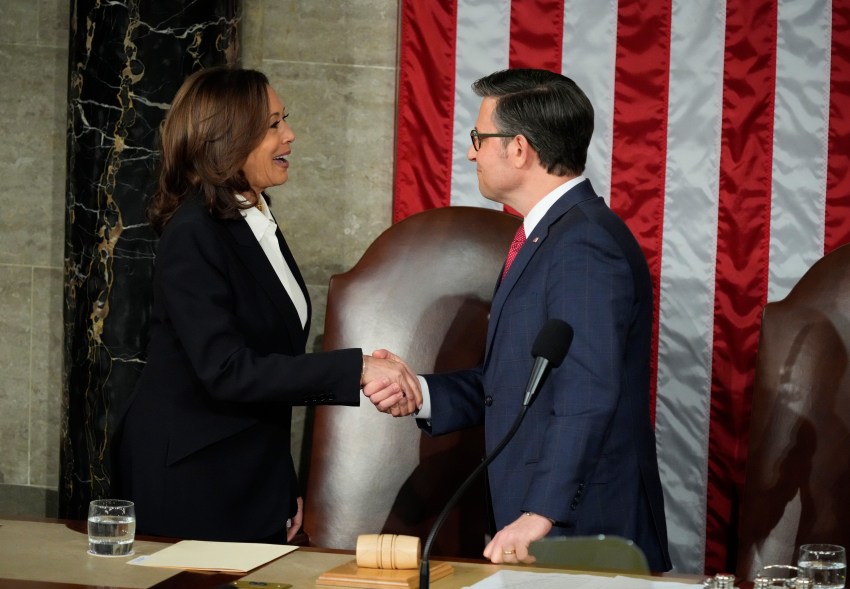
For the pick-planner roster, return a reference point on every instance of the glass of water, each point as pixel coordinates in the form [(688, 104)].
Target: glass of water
[(112, 527), (824, 564)]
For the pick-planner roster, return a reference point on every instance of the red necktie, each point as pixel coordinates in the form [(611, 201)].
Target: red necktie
[(516, 244)]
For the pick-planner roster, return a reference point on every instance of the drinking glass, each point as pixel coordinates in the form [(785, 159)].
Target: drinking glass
[(112, 527), (824, 564)]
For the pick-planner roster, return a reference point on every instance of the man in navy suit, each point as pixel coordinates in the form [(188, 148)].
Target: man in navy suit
[(584, 460)]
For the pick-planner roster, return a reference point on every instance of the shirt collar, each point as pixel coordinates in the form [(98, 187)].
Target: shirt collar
[(258, 221), (539, 210)]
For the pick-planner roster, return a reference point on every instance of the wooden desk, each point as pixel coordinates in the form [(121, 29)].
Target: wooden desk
[(51, 555)]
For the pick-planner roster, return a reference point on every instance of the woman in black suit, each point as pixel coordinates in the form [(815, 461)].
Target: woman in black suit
[(204, 449)]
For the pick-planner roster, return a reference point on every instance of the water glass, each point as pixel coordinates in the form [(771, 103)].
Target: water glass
[(824, 564), (112, 527)]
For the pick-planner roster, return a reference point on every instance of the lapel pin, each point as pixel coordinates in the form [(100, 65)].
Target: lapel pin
[(535, 240)]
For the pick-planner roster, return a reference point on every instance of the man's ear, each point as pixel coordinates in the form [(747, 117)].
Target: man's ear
[(523, 153)]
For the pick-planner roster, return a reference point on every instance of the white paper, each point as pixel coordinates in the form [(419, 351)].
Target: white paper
[(214, 556), (521, 579)]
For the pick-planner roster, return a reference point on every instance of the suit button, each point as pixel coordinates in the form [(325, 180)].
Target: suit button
[(488, 400)]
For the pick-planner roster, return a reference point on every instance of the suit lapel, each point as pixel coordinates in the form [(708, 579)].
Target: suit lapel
[(293, 266), (577, 194), (249, 251)]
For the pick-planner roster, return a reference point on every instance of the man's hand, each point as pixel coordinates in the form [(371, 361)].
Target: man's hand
[(390, 384), (510, 544)]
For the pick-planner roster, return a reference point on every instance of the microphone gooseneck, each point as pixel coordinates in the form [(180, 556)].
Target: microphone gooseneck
[(549, 349)]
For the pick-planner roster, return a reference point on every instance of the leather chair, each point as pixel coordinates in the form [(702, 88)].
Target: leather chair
[(422, 290), (797, 487)]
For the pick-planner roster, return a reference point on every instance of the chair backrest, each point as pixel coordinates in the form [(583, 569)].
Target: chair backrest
[(422, 290), (797, 487), (590, 553)]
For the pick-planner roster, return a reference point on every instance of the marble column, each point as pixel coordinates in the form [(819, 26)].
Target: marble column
[(127, 59)]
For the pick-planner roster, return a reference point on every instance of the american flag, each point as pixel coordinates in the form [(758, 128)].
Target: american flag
[(722, 137)]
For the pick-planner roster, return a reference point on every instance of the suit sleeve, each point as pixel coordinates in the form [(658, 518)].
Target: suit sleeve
[(205, 301), (589, 284), (457, 401)]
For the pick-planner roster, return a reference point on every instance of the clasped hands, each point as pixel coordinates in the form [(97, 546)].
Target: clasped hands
[(393, 388), (390, 384)]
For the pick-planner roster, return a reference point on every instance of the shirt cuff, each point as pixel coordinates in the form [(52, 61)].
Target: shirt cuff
[(424, 411)]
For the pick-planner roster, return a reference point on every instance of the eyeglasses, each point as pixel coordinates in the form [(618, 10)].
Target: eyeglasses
[(477, 137)]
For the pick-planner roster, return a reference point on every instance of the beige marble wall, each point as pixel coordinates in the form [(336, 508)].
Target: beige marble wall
[(33, 89), (333, 64)]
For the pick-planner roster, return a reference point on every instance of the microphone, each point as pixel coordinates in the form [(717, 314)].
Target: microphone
[(549, 350), (550, 347)]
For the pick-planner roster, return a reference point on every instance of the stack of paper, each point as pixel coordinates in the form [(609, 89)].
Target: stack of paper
[(230, 557)]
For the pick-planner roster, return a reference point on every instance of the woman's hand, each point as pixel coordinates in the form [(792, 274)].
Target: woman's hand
[(295, 522)]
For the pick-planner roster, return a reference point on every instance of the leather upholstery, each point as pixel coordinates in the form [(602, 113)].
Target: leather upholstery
[(797, 487), (423, 291)]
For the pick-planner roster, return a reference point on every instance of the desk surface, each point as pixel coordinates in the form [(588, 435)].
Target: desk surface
[(50, 555)]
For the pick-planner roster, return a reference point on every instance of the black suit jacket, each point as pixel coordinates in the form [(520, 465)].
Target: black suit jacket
[(204, 450)]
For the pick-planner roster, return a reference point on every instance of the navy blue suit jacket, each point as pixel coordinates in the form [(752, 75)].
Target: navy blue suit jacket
[(204, 449), (585, 454)]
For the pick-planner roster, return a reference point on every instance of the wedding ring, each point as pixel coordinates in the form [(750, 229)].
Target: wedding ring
[(507, 551)]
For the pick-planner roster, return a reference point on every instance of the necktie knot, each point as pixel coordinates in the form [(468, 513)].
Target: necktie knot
[(516, 244)]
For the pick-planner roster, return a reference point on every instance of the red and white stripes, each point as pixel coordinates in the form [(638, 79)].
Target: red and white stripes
[(722, 133)]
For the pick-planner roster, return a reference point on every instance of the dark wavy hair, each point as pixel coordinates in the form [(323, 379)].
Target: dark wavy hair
[(548, 109), (217, 118)]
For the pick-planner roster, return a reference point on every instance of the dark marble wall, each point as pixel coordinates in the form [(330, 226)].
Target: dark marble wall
[(127, 59)]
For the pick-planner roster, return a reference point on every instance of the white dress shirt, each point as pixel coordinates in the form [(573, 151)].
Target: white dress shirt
[(263, 226)]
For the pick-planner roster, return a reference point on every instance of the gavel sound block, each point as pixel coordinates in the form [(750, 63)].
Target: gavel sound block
[(385, 560)]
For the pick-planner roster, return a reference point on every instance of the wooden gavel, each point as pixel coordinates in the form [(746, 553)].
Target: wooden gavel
[(387, 551)]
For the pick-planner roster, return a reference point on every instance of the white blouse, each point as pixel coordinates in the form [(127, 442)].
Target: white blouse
[(263, 226)]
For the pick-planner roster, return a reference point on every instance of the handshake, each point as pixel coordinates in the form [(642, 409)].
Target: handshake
[(390, 384)]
